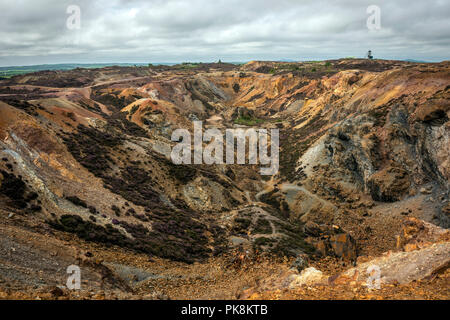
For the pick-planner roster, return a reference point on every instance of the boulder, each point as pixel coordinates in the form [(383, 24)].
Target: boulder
[(418, 234), (308, 277), (333, 241), (353, 79), (56, 291), (344, 246), (242, 112), (389, 184), (312, 229)]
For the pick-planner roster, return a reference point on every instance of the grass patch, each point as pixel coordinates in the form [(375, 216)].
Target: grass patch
[(248, 121)]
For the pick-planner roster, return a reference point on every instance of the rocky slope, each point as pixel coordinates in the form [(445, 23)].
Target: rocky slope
[(85, 156)]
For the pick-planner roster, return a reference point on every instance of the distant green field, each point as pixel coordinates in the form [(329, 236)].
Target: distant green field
[(8, 72)]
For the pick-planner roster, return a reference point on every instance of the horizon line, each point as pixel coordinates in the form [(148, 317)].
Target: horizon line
[(199, 61)]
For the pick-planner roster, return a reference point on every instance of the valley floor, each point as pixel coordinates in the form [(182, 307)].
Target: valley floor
[(34, 259)]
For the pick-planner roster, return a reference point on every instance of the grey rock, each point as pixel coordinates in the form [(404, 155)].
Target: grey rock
[(299, 264)]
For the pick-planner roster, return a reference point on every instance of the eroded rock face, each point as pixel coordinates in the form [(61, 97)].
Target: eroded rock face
[(379, 143), (434, 111), (446, 210), (403, 267), (389, 163)]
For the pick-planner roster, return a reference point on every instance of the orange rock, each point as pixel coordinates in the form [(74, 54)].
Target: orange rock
[(410, 247)]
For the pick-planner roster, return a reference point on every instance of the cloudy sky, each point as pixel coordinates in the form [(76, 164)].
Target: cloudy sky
[(36, 32)]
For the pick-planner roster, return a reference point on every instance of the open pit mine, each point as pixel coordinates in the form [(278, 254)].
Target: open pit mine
[(358, 207)]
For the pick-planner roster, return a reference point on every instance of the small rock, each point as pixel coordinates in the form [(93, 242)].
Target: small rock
[(237, 241), (56, 292), (312, 228), (410, 247), (426, 190), (299, 264)]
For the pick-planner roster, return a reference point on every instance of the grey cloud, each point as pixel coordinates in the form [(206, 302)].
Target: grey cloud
[(34, 31)]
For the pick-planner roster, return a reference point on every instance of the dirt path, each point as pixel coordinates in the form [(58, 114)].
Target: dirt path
[(292, 190)]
